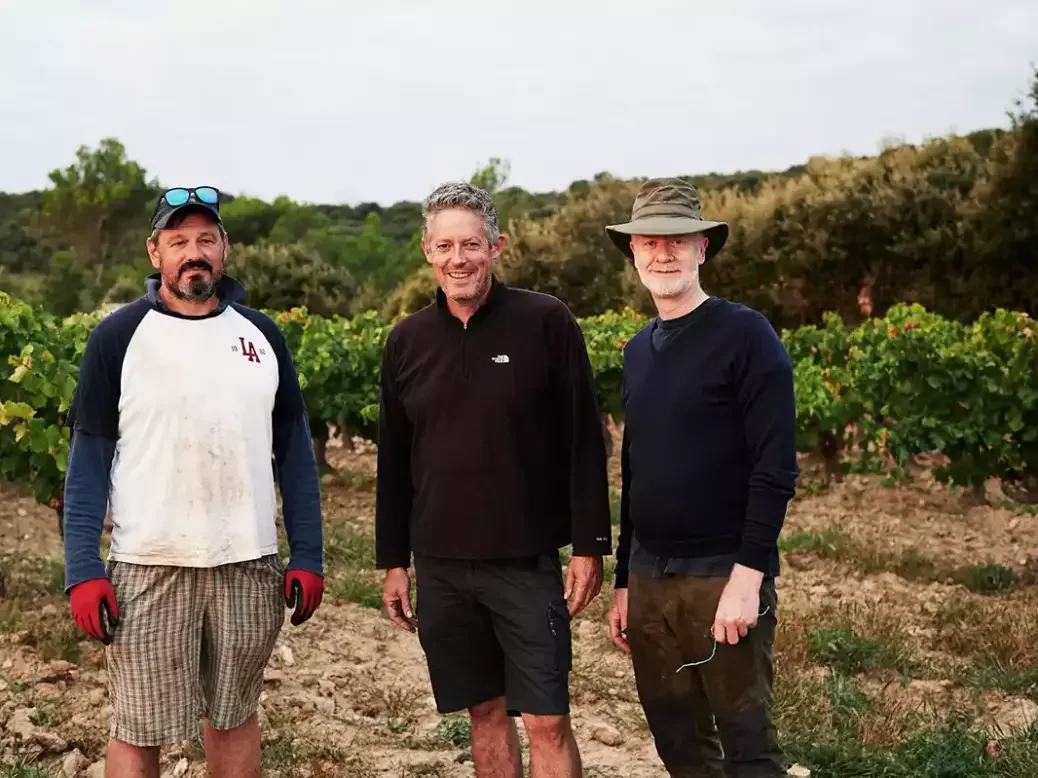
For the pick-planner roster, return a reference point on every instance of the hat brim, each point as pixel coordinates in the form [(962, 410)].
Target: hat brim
[(162, 221), (716, 232)]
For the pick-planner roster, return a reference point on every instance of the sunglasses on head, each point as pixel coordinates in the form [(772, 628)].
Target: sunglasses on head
[(180, 195)]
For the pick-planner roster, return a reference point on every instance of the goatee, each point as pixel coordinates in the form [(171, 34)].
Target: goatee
[(199, 287), (198, 290)]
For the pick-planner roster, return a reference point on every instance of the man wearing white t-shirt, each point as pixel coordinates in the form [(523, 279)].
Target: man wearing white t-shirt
[(188, 417)]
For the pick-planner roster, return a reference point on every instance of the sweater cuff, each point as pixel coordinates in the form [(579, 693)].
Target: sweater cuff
[(392, 561), (594, 548), (765, 516), (755, 555)]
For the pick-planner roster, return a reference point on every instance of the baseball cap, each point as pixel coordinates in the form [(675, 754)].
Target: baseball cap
[(178, 199)]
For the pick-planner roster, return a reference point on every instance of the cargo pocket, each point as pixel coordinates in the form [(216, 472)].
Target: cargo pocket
[(562, 640)]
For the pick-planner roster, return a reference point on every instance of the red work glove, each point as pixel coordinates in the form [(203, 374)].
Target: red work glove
[(303, 591), (94, 608)]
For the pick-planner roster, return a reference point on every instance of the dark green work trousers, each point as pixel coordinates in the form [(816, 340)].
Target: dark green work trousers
[(712, 720)]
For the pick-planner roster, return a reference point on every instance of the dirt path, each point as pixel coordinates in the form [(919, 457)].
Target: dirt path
[(348, 695)]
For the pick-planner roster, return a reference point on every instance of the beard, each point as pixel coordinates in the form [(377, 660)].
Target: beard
[(667, 287), (195, 288)]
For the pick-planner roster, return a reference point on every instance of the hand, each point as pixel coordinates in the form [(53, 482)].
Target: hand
[(94, 608), (303, 591), (739, 606), (583, 582), (617, 620), (396, 596)]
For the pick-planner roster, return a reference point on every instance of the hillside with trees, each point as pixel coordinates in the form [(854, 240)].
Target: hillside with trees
[(951, 223)]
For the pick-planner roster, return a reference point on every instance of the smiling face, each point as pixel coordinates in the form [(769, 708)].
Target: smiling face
[(668, 265), (190, 257), (462, 257)]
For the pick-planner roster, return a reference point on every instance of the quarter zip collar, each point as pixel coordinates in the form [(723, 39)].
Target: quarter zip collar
[(495, 296)]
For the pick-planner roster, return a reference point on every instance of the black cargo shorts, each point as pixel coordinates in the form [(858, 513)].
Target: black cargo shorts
[(495, 628)]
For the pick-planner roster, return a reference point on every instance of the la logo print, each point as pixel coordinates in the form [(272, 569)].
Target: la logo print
[(248, 350)]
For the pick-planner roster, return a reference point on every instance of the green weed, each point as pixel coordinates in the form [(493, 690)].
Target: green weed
[(847, 652)]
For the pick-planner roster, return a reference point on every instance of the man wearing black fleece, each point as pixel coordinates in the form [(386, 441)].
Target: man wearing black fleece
[(708, 468), (491, 458)]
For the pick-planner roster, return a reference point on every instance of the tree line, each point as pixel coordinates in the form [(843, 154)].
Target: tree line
[(951, 223)]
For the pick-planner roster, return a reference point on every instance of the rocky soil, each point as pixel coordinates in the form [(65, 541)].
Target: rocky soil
[(347, 693)]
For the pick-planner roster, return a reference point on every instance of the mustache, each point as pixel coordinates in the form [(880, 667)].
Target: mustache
[(195, 264)]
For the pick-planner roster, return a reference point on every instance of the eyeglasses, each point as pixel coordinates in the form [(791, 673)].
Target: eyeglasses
[(204, 194)]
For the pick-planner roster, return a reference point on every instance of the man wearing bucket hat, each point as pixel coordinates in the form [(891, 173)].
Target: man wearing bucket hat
[(708, 467), (188, 416)]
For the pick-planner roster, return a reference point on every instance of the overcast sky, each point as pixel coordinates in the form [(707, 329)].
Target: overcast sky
[(334, 101)]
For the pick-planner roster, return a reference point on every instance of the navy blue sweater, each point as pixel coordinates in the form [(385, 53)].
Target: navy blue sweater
[(709, 449)]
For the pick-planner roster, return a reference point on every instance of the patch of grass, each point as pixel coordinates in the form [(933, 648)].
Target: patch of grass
[(987, 579), (456, 730), (1019, 755), (347, 546), (830, 543), (848, 703), (810, 487), (23, 770), (45, 715), (614, 506), (10, 618), (357, 588), (1004, 637), (1017, 681), (357, 480), (55, 640), (29, 579), (836, 730), (1018, 507), (284, 753), (13, 685), (33, 584), (350, 559), (846, 639), (909, 563), (847, 652), (396, 705)]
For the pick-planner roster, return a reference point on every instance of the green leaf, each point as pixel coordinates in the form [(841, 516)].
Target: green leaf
[(10, 411), (19, 373)]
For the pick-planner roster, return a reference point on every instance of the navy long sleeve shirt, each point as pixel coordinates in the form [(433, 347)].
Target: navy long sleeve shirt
[(708, 458)]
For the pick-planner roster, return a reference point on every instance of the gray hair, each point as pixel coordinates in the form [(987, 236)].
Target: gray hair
[(458, 194)]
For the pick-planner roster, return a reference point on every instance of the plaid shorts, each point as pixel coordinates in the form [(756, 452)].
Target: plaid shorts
[(191, 642)]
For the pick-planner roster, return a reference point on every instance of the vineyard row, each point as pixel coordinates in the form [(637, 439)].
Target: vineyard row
[(869, 397)]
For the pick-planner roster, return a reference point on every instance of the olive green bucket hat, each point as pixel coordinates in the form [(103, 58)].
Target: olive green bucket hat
[(667, 206)]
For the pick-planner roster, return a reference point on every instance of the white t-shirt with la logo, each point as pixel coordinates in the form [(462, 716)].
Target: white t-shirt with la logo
[(192, 404)]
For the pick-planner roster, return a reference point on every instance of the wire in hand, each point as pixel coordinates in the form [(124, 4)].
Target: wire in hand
[(713, 652)]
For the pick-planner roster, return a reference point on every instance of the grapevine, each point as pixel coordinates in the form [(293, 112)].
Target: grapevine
[(873, 395)]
